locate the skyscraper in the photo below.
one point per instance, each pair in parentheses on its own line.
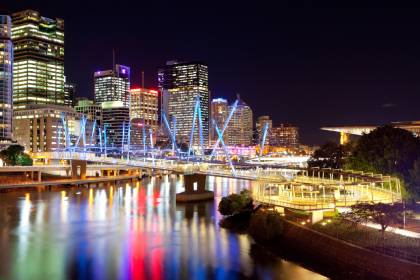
(113,85)
(219,113)
(115,121)
(180,84)
(144,106)
(261,122)
(240,128)
(6,66)
(69,94)
(38,71)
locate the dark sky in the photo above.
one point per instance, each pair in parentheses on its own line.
(308,64)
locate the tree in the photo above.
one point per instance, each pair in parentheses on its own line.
(380,213)
(388,150)
(15,155)
(329,155)
(357,215)
(235,203)
(414,179)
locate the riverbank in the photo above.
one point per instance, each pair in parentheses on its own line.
(329,254)
(341,253)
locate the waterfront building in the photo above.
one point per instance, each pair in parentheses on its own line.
(38,70)
(89,109)
(180,84)
(144,106)
(39,128)
(113,85)
(284,135)
(347,130)
(261,122)
(219,113)
(6,66)
(240,128)
(115,122)
(69,94)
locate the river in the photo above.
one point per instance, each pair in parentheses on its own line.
(129,231)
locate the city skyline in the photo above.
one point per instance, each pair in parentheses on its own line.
(361,69)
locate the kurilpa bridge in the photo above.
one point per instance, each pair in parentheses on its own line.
(306,189)
(309,189)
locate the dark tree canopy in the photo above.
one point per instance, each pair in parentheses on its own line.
(380,213)
(235,203)
(15,155)
(388,150)
(329,155)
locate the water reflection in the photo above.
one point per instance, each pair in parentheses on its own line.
(127,231)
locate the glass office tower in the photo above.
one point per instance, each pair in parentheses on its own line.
(38,73)
(6,67)
(113,85)
(180,84)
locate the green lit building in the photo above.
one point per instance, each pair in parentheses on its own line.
(38,73)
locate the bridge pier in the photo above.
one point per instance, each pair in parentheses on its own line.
(75,165)
(195,189)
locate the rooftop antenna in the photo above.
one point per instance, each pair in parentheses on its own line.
(142,79)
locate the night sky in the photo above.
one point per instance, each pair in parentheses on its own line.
(307,64)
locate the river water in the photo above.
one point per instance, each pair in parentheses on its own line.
(129,231)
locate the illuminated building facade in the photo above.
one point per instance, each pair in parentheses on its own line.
(261,122)
(39,128)
(144,106)
(347,130)
(69,94)
(89,109)
(240,128)
(115,116)
(284,135)
(180,84)
(113,85)
(6,66)
(219,113)
(38,70)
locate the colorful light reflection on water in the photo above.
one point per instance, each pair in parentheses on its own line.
(127,231)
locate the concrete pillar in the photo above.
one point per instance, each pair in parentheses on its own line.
(75,165)
(195,183)
(317,216)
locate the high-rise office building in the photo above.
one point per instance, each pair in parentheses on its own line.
(144,106)
(285,135)
(69,94)
(240,128)
(38,71)
(261,122)
(180,84)
(6,66)
(113,85)
(115,121)
(219,113)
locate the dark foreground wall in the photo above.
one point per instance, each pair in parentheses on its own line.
(341,253)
